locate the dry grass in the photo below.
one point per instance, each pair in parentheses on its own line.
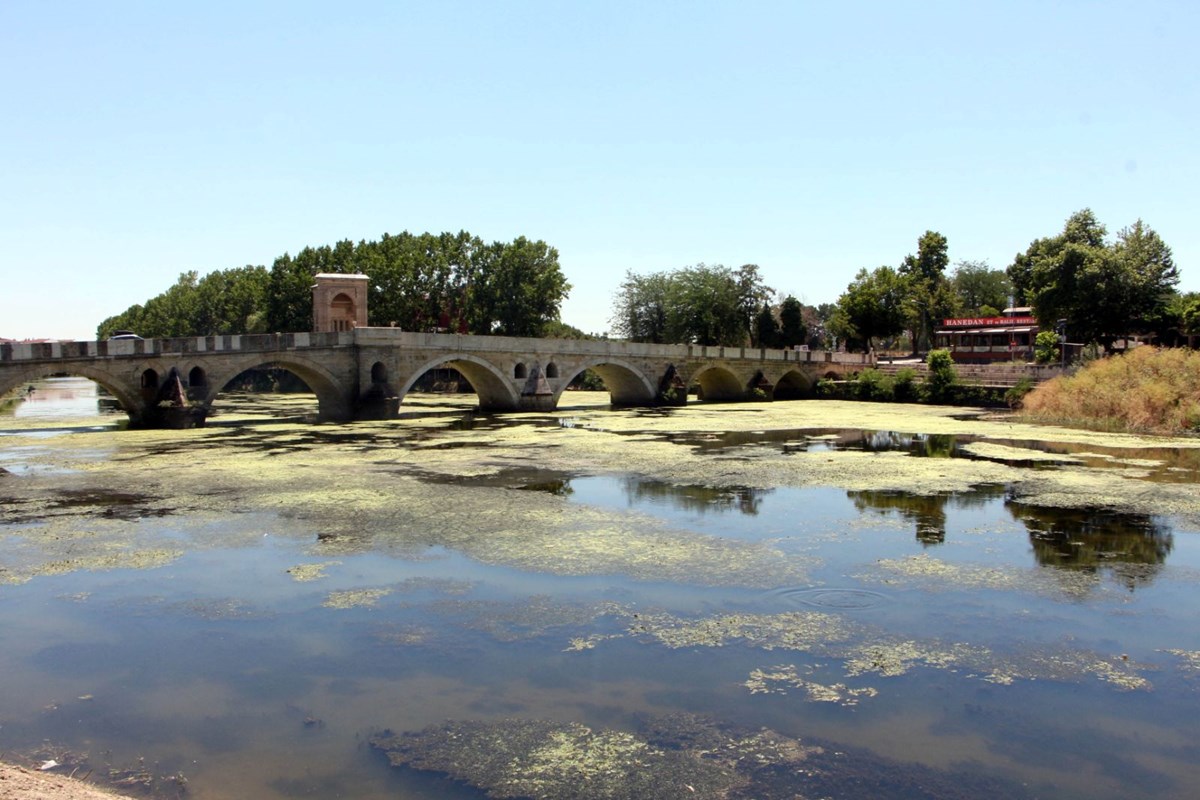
(1147,390)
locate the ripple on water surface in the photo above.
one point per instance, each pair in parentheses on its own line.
(837,598)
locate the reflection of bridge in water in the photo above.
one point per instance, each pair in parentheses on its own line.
(366,372)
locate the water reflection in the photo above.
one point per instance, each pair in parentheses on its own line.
(1161,464)
(821,439)
(1131,547)
(926,445)
(698,499)
(228,666)
(66,396)
(926,512)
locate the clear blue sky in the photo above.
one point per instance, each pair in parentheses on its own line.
(143,139)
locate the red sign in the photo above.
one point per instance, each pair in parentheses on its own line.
(988,322)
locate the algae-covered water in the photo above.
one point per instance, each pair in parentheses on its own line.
(797,599)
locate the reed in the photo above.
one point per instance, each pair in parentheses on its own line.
(1148,390)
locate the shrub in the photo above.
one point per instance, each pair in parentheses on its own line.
(1089,353)
(1016,393)
(871,384)
(904,386)
(1045,347)
(941,377)
(827,388)
(1148,389)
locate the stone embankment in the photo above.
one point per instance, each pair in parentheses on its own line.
(996,375)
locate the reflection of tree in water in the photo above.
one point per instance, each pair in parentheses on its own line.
(1133,547)
(697,498)
(926,511)
(919,444)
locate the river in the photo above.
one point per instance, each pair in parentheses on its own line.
(800,599)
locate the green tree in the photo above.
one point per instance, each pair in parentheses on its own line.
(1082,228)
(1045,347)
(289,305)
(820,331)
(231,301)
(640,309)
(420,282)
(709,305)
(1102,290)
(792,330)
(981,290)
(1189,315)
(171,313)
(928,296)
(706,307)
(941,376)
(751,293)
(873,305)
(766,328)
(517,288)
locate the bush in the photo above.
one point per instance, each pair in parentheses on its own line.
(1148,389)
(904,385)
(827,388)
(1016,393)
(871,384)
(941,377)
(1045,347)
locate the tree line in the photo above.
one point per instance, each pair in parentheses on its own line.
(707,305)
(1097,289)
(716,305)
(1100,290)
(450,281)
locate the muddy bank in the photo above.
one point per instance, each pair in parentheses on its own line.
(18,783)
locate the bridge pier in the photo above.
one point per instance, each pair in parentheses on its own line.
(537,394)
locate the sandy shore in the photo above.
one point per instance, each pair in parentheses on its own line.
(18,783)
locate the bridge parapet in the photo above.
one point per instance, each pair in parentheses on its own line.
(394,337)
(118,348)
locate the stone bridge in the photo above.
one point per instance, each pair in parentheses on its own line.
(366,372)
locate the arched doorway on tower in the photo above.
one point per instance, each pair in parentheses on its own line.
(339,302)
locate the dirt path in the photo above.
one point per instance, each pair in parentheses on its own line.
(18,783)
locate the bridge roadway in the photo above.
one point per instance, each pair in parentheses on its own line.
(366,372)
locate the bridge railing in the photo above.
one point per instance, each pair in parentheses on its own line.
(394,337)
(116,348)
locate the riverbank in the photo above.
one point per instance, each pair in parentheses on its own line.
(18,783)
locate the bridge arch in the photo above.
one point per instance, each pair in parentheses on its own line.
(494,388)
(332,401)
(627,385)
(127,392)
(718,384)
(379,373)
(793,385)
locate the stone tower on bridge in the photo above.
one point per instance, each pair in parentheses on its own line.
(339,302)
